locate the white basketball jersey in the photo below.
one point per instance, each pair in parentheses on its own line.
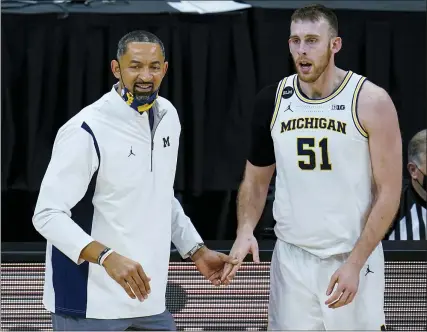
(324,178)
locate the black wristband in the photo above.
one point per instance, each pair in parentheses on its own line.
(103,252)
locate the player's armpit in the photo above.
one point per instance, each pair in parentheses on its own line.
(378,117)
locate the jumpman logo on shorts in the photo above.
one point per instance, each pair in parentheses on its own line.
(368,270)
(131,153)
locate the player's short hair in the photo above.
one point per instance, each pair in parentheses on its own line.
(417,148)
(316,12)
(138,36)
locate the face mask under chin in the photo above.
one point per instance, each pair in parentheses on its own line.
(138,104)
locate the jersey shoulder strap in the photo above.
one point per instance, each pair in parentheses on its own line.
(278,100)
(358,83)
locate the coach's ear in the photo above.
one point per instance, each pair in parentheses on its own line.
(165,68)
(115,68)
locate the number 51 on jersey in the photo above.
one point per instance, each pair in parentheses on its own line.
(316,151)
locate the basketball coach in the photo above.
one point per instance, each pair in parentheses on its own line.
(107,208)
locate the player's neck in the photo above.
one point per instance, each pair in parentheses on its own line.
(325,85)
(419,190)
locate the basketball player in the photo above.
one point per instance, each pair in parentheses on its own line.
(333,138)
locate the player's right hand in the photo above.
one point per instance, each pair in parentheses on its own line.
(128,274)
(245,243)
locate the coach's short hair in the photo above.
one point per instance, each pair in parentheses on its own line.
(417,148)
(138,36)
(316,12)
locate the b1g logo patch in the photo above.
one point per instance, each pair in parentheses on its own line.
(338,107)
(288,92)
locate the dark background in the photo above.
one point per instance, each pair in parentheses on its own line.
(52,67)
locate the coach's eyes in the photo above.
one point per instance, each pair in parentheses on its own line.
(311,40)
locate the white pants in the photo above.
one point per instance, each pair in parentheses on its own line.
(298,284)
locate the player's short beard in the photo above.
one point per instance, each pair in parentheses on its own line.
(317,68)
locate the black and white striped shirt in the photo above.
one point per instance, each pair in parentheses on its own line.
(410,222)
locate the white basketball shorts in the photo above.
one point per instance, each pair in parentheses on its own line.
(298,284)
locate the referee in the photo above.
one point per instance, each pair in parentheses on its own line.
(107,208)
(410,222)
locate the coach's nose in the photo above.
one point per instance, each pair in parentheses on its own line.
(145,74)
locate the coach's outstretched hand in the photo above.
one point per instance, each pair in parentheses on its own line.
(245,243)
(211,264)
(129,274)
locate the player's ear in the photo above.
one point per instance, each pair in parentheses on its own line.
(115,69)
(336,44)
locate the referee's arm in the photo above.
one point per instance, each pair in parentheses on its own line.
(72,165)
(184,234)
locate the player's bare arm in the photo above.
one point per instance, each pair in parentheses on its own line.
(252,196)
(378,117)
(250,204)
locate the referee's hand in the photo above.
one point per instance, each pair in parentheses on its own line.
(129,274)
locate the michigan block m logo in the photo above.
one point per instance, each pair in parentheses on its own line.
(166,142)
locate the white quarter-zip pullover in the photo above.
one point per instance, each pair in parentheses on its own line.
(110,179)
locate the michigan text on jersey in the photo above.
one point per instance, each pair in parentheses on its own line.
(314,123)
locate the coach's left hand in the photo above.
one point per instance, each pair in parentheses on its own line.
(347,280)
(211,264)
